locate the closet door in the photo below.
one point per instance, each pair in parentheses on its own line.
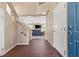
(59,27)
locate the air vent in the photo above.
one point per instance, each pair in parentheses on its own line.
(40,3)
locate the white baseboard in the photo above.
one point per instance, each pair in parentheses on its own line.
(22,43)
(54,46)
(50,43)
(38,37)
(8,50)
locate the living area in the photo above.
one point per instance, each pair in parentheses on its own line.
(37,26)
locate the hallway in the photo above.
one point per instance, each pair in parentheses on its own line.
(36,48)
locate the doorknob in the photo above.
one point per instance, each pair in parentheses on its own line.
(54,31)
(70,43)
(64,28)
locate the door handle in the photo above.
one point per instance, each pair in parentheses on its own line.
(70,27)
(69,32)
(70,43)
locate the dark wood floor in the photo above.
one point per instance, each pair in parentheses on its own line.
(37,48)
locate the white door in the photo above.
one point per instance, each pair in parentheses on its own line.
(1,30)
(59,29)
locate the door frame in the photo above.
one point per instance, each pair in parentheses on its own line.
(3,17)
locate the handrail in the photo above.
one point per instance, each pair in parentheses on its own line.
(14,12)
(12,9)
(23,25)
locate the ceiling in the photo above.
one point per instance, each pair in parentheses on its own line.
(31,8)
(24,8)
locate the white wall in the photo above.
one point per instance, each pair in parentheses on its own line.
(32,20)
(9,31)
(49,23)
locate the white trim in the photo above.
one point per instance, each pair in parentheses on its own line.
(38,37)
(22,43)
(50,43)
(8,50)
(53,46)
